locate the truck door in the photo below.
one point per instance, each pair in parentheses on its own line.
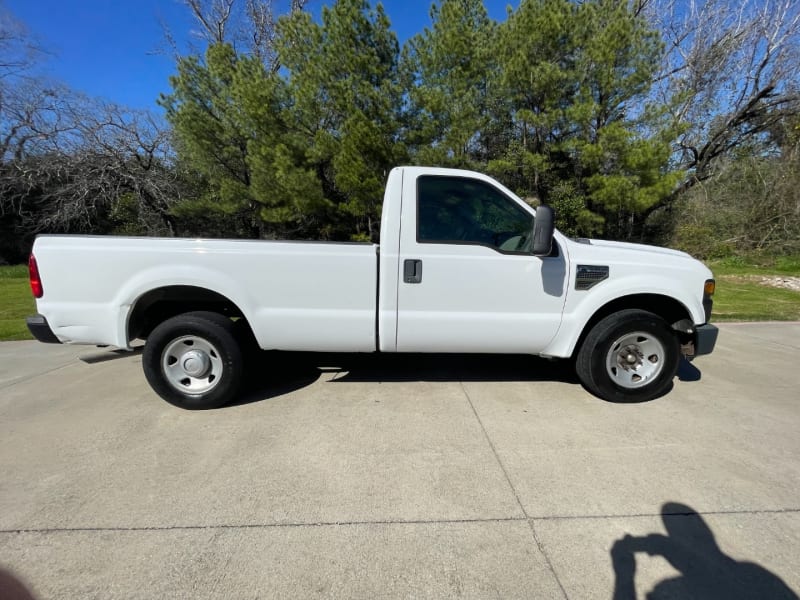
(467,279)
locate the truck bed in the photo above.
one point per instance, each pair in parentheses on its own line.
(295,295)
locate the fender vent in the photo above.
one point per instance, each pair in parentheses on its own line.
(588,276)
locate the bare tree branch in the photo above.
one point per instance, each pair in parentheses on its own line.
(213,17)
(18,49)
(729,73)
(250,26)
(66,160)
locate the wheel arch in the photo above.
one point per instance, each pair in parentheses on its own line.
(674,312)
(159,304)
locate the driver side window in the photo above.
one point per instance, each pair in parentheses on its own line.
(459,210)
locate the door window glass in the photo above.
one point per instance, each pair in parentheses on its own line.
(459,210)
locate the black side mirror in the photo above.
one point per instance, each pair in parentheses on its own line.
(543,231)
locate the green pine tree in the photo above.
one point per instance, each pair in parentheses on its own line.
(577,76)
(345,106)
(451,71)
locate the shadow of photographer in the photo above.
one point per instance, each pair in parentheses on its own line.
(705,571)
(12,588)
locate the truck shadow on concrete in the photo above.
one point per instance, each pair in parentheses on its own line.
(454,367)
(705,571)
(272,374)
(269,374)
(103,355)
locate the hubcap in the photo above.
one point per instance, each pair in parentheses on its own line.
(191,365)
(196,363)
(635,359)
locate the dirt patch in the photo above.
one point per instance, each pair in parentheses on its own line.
(786,282)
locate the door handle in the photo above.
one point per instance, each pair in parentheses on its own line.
(412,270)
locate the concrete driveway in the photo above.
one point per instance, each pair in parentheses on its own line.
(395,477)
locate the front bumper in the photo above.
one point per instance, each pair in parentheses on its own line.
(40,329)
(705,338)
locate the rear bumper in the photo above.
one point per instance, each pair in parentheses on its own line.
(40,329)
(705,338)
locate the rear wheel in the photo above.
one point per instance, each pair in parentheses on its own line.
(193,360)
(629,356)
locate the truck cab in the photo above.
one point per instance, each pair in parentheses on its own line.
(456,250)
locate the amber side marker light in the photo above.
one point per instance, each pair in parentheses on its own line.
(709,287)
(36,281)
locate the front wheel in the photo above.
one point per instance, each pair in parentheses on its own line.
(629,356)
(194,361)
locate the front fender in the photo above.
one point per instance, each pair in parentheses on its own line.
(581,306)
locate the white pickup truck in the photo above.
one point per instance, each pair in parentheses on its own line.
(464,266)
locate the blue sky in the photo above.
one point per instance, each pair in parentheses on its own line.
(115,49)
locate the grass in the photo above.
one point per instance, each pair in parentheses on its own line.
(16,303)
(739,297)
(756,265)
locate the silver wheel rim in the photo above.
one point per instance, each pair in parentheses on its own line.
(192,365)
(635,359)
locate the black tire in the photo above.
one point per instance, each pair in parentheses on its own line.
(629,356)
(194,361)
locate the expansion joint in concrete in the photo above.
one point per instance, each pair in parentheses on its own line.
(536,540)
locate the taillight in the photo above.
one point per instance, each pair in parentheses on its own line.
(36,281)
